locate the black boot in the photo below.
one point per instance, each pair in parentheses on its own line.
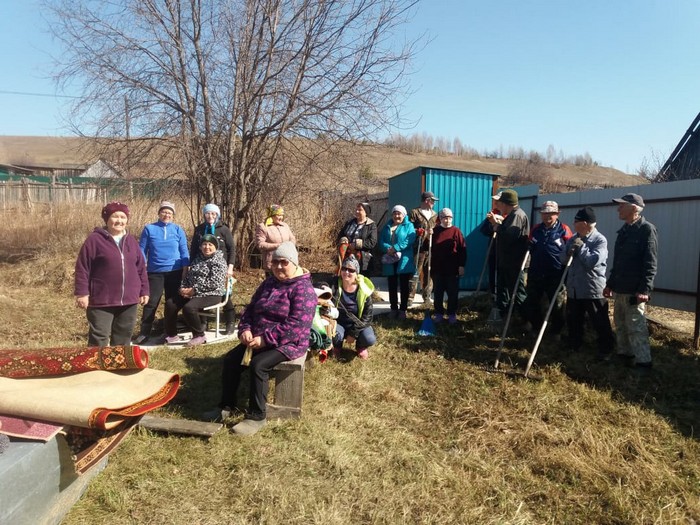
(229,317)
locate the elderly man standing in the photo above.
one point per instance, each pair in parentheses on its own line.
(424,219)
(547,240)
(585,283)
(632,280)
(512,228)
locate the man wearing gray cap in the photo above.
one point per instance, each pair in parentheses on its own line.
(632,280)
(424,219)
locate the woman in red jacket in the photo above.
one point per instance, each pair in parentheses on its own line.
(449,256)
(111,279)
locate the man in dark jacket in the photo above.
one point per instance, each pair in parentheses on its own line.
(512,228)
(632,280)
(547,240)
(424,219)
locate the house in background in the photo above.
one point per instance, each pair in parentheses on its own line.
(684,161)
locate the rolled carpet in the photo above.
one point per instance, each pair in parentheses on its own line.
(18,363)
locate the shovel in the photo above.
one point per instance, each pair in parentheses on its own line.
(510,308)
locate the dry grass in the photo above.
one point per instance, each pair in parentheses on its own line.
(420,433)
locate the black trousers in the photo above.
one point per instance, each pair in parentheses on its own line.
(597,310)
(190,311)
(395,281)
(261,365)
(158,283)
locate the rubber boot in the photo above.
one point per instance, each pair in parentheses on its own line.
(229,317)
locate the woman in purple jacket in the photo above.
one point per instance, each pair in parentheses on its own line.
(276,327)
(111,279)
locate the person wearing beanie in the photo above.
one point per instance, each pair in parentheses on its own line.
(213,225)
(202,286)
(111,279)
(164,246)
(585,282)
(547,240)
(631,280)
(424,219)
(353,299)
(512,228)
(271,233)
(448,259)
(274,327)
(398,264)
(358,236)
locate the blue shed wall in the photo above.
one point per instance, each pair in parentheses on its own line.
(467,194)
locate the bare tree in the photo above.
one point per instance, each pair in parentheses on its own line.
(229,87)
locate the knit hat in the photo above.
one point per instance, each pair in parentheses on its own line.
(549,207)
(351,262)
(509,197)
(212,207)
(288,251)
(166,204)
(631,198)
(400,208)
(366,206)
(209,238)
(275,209)
(446,212)
(112,207)
(586,214)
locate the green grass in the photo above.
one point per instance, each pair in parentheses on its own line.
(423,432)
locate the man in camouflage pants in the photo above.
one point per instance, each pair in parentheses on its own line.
(424,219)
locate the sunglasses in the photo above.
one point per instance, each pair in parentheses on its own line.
(349,270)
(280,262)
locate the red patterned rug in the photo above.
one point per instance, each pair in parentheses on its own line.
(60,361)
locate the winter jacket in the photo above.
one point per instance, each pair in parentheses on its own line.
(222,233)
(546,246)
(268,238)
(586,277)
(634,262)
(281,312)
(164,245)
(419,221)
(111,275)
(401,240)
(352,327)
(367,232)
(449,251)
(511,239)
(207,275)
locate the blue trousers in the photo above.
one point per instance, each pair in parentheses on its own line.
(365,338)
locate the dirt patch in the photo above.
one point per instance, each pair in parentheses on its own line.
(676,320)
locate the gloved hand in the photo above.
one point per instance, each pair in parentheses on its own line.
(575,246)
(344,240)
(420,232)
(358,244)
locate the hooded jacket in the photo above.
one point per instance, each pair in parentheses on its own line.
(402,241)
(365,289)
(111,274)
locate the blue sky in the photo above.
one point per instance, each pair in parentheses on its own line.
(617,80)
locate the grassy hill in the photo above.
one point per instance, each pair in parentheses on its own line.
(379,161)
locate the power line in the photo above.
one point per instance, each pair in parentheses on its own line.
(28,94)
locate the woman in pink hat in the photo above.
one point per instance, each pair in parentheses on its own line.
(111,279)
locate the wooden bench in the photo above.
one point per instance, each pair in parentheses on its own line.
(289,388)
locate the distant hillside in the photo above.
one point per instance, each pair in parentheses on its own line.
(378,161)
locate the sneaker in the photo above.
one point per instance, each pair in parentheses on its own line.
(140,339)
(362,353)
(401,315)
(248,427)
(172,339)
(198,340)
(438,318)
(452,319)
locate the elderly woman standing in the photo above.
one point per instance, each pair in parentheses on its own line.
(359,235)
(276,326)
(448,258)
(203,286)
(212,225)
(164,245)
(271,233)
(396,243)
(111,279)
(353,299)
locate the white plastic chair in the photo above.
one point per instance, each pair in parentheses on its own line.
(214,311)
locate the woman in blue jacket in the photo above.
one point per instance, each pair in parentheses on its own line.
(396,244)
